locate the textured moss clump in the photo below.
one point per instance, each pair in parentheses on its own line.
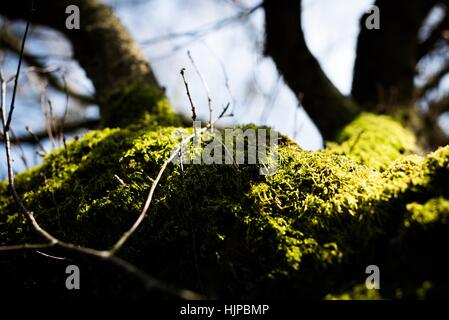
(359,292)
(375,140)
(308,230)
(138,103)
(434,211)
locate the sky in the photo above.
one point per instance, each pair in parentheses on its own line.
(331,28)
(232,54)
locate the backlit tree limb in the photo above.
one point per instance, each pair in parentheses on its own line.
(11,43)
(434,80)
(285,43)
(434,37)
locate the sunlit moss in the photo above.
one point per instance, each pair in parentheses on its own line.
(359,292)
(308,230)
(138,103)
(375,140)
(435,210)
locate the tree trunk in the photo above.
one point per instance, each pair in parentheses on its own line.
(285,43)
(385,65)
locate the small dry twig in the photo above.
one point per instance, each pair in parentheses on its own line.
(36,139)
(190,100)
(16,78)
(205,86)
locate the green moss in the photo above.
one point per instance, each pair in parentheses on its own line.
(433,211)
(359,292)
(308,230)
(375,140)
(138,103)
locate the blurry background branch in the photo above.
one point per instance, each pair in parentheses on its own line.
(11,42)
(68,127)
(438,35)
(103,47)
(206,29)
(434,80)
(285,43)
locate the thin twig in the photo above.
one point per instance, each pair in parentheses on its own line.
(200,32)
(44,101)
(150,283)
(120,180)
(13,99)
(270,103)
(36,139)
(224,111)
(205,86)
(357,138)
(51,256)
(66,109)
(26,246)
(181,156)
(188,94)
(143,214)
(51,123)
(21,151)
(225,75)
(190,99)
(154,185)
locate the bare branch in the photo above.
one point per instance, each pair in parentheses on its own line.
(436,36)
(225,76)
(190,100)
(16,79)
(150,283)
(285,43)
(26,246)
(10,42)
(204,30)
(154,185)
(188,94)
(51,256)
(119,244)
(35,137)
(106,51)
(205,86)
(436,108)
(21,151)
(433,81)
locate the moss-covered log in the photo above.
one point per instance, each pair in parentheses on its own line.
(309,230)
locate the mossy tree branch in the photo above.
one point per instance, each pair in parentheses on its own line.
(289,234)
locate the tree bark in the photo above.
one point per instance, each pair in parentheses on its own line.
(386,59)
